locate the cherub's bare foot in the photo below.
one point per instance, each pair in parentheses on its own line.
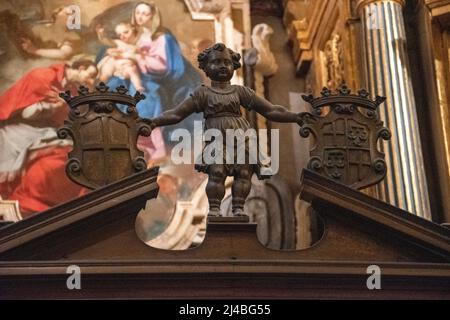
(238,212)
(214,213)
(140,89)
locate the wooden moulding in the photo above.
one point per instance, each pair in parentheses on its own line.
(360,231)
(100,207)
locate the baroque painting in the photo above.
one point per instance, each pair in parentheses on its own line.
(49,46)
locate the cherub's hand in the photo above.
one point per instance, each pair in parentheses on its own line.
(144,125)
(140,89)
(52,96)
(305,117)
(113,52)
(142,50)
(28,46)
(149,122)
(133,49)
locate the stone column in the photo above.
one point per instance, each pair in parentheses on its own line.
(388,74)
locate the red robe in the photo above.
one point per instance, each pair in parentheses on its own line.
(44,183)
(31,88)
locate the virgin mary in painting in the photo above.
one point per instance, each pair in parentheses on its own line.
(167,77)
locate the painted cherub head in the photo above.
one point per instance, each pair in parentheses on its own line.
(126,32)
(219,62)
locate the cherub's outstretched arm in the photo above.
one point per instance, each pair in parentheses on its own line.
(64,52)
(183,110)
(273,112)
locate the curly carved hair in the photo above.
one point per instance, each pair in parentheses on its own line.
(202,58)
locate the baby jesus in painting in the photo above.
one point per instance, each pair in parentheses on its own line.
(221,106)
(120,60)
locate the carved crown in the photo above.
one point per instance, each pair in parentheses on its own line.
(344,96)
(102,93)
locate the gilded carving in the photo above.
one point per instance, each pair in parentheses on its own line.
(333,61)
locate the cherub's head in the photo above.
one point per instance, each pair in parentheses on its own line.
(82,72)
(219,62)
(126,32)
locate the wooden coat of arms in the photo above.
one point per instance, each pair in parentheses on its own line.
(346,128)
(104,127)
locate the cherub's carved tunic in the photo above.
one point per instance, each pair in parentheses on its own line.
(222,111)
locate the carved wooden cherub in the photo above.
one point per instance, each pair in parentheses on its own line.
(220,104)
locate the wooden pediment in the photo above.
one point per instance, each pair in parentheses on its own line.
(99,237)
(50,235)
(379,230)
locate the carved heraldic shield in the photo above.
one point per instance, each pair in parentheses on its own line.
(346,129)
(105,138)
